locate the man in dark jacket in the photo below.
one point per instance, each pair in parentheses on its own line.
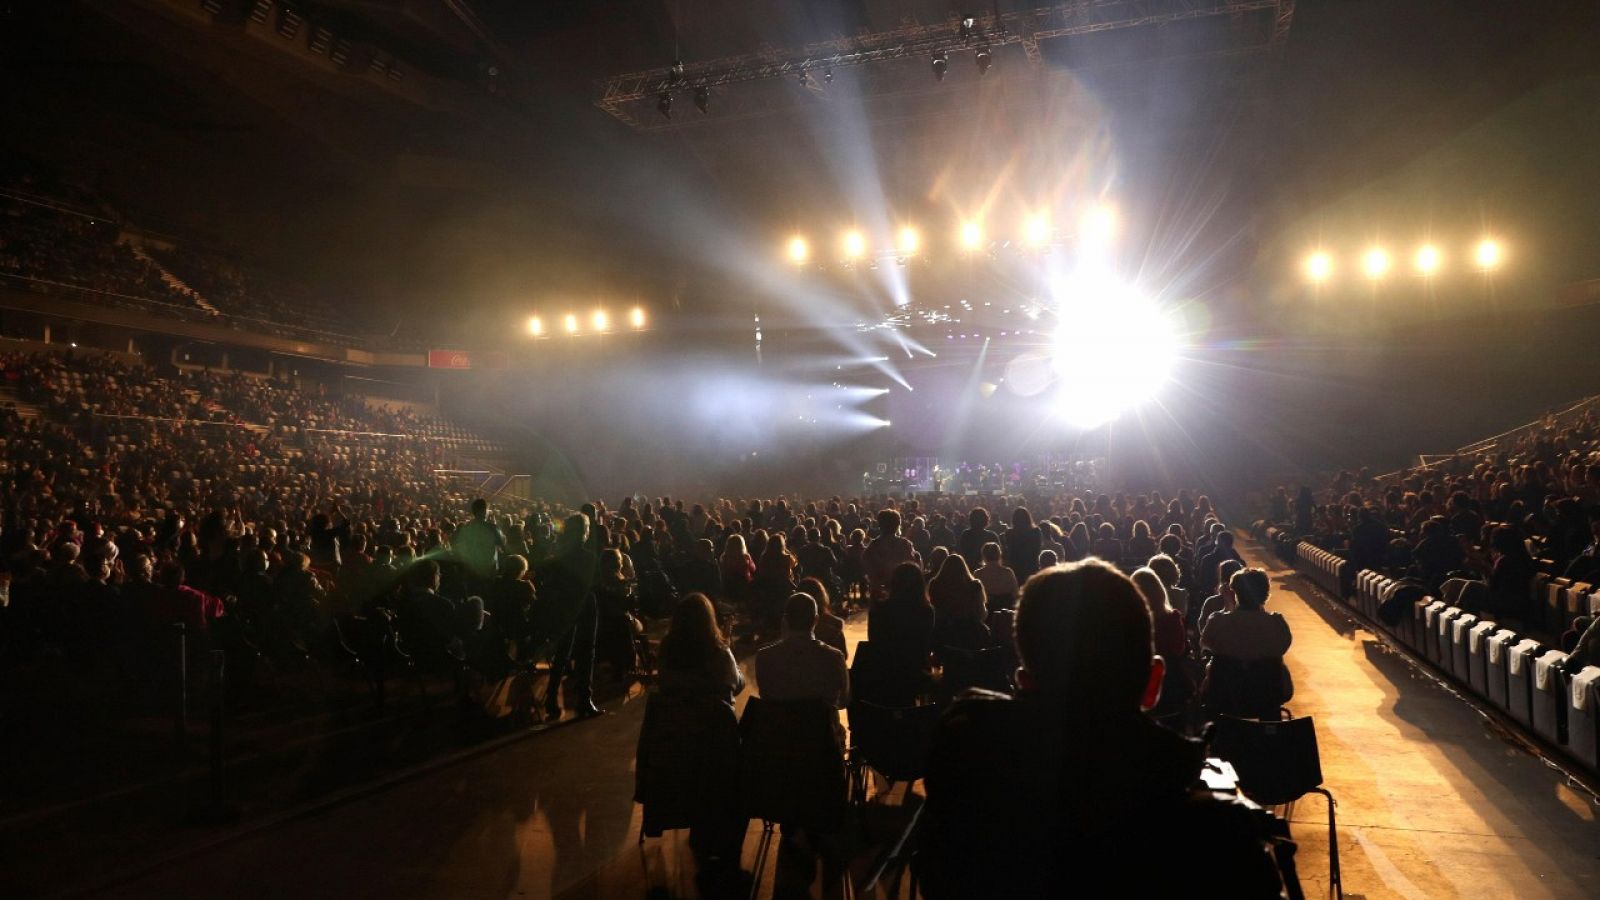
(566,586)
(1062,788)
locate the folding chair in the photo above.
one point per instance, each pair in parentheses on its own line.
(1278,763)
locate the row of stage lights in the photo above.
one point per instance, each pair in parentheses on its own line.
(1095,227)
(599,323)
(1377,263)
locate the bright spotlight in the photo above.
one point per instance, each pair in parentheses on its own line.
(1098,225)
(799,250)
(1488,254)
(1319,266)
(535,326)
(971,236)
(909,240)
(636,318)
(1427,260)
(600,320)
(572,324)
(1104,323)
(1036,230)
(1375,263)
(855,244)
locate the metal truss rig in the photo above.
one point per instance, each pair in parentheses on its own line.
(1024,27)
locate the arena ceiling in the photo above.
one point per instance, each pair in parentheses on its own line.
(480,173)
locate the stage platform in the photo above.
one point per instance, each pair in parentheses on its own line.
(1432,803)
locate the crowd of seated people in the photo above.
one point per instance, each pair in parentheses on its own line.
(1483,523)
(931,618)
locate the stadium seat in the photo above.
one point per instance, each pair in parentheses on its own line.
(1441,639)
(1478,658)
(1583,717)
(1428,639)
(1519,680)
(1549,699)
(1553,610)
(1497,662)
(1575,602)
(1460,634)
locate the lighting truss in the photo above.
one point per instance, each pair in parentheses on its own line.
(1024,27)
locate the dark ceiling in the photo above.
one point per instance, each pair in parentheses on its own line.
(486,177)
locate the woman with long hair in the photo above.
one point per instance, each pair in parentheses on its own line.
(1170,636)
(1141,545)
(900,632)
(738,569)
(694,655)
(1022,544)
(959,606)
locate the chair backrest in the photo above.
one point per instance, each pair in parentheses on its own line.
(791,767)
(688,749)
(876,677)
(1277,762)
(986,668)
(1247,688)
(894,740)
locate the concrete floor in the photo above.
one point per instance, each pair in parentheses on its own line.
(1431,804)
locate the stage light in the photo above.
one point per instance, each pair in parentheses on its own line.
(1488,254)
(968,26)
(1319,266)
(637,317)
(600,320)
(909,241)
(702,99)
(971,236)
(984,59)
(1427,260)
(941,65)
(1036,230)
(855,244)
(799,250)
(572,324)
(535,326)
(1375,263)
(664,104)
(1103,324)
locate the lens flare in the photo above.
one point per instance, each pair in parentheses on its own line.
(799,250)
(636,318)
(572,324)
(1114,350)
(536,326)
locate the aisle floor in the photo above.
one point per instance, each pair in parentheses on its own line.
(1432,803)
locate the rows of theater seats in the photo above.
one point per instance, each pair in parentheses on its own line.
(1516,672)
(59,241)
